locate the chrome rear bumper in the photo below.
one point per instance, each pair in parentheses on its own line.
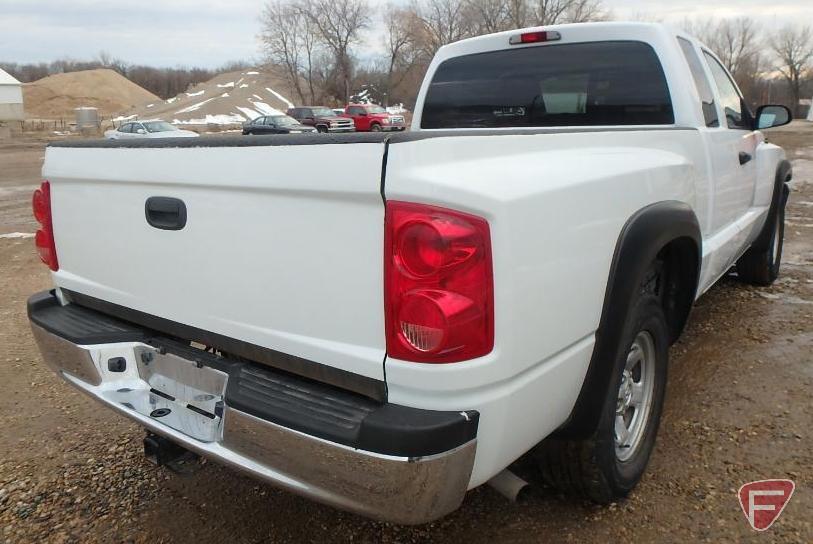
(406,490)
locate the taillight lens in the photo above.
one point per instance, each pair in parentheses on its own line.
(439,287)
(44,238)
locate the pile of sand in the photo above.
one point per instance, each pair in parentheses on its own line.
(56,96)
(227,99)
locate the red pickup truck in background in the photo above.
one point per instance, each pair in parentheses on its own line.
(372,117)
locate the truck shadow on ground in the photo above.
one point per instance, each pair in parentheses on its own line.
(723,332)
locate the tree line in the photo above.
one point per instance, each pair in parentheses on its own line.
(315,44)
(163,82)
(769,67)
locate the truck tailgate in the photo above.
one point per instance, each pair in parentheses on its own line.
(282,246)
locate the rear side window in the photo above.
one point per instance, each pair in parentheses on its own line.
(596,83)
(701,82)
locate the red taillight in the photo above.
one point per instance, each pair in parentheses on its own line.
(44,239)
(535,37)
(439,287)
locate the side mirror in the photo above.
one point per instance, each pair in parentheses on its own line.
(141,131)
(772,116)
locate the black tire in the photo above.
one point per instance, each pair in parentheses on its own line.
(760,264)
(591,468)
(375,127)
(321,129)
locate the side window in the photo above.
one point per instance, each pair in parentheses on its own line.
(735,113)
(355,110)
(126,127)
(305,112)
(259,121)
(297,113)
(701,82)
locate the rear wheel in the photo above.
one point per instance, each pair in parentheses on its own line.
(760,264)
(322,129)
(608,464)
(375,127)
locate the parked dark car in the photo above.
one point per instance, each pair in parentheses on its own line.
(275,124)
(322,119)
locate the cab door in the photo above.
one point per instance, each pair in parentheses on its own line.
(259,126)
(732,149)
(360,118)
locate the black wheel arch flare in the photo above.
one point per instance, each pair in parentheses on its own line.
(645,234)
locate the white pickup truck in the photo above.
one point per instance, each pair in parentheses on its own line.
(506,277)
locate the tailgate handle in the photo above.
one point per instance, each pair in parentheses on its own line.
(165,213)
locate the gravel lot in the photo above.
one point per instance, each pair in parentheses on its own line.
(739,408)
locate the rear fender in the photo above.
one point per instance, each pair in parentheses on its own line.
(643,236)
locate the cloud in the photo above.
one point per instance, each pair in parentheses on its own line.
(212,32)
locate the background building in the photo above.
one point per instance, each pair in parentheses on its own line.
(11,98)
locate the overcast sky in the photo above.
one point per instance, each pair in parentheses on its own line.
(210,33)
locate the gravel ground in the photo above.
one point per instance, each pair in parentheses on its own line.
(739,408)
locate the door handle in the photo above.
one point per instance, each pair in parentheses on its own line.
(745,157)
(165,213)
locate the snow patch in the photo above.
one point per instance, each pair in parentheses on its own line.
(265,109)
(228,85)
(194,107)
(251,73)
(244,85)
(224,95)
(127,118)
(248,112)
(196,94)
(150,105)
(397,109)
(17,235)
(220,119)
(279,96)
(171,100)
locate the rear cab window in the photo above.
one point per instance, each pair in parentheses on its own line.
(580,84)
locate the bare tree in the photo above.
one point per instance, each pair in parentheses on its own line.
(339,24)
(793,47)
(290,44)
(490,15)
(735,41)
(403,45)
(551,12)
(444,21)
(517,13)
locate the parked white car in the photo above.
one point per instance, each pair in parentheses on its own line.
(505,278)
(148,129)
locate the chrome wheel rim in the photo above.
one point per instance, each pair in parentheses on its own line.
(635,395)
